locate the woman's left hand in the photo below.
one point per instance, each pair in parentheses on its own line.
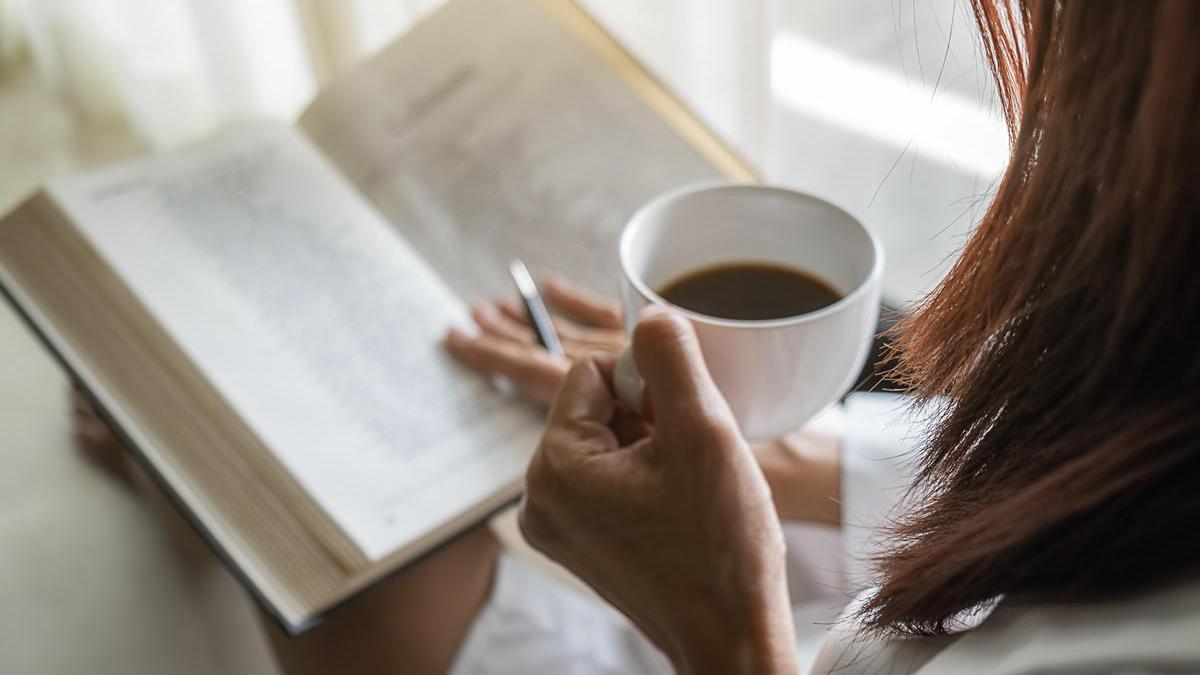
(802,467)
(506,345)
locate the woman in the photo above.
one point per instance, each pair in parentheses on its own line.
(1054,525)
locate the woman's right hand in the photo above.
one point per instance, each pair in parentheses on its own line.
(671,520)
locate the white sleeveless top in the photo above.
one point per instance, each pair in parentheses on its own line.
(1152,632)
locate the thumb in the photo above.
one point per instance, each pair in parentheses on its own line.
(679,387)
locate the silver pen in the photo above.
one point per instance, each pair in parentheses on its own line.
(539,317)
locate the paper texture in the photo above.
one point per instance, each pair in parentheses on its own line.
(319,325)
(491,132)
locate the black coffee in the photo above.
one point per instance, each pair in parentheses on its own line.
(749,292)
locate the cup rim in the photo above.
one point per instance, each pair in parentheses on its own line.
(707,186)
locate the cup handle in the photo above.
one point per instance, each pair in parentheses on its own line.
(628,381)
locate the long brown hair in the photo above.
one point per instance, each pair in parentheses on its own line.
(1065,342)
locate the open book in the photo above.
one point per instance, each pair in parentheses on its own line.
(260,315)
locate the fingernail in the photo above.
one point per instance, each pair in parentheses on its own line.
(455,336)
(485,310)
(653,310)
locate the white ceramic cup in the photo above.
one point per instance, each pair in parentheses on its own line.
(776,374)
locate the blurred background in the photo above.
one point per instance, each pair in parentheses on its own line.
(884,107)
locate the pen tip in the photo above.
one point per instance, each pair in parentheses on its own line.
(520,275)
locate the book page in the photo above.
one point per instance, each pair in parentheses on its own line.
(489,132)
(317,323)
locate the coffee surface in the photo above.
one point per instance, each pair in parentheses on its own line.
(749,292)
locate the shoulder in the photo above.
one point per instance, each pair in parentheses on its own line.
(1154,631)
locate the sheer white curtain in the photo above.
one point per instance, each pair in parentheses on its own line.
(882,106)
(177,70)
(886,108)
(174,70)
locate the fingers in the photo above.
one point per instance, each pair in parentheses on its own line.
(80,405)
(513,309)
(586,403)
(497,323)
(91,430)
(532,369)
(581,449)
(585,396)
(88,425)
(678,385)
(576,432)
(629,428)
(581,305)
(577,340)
